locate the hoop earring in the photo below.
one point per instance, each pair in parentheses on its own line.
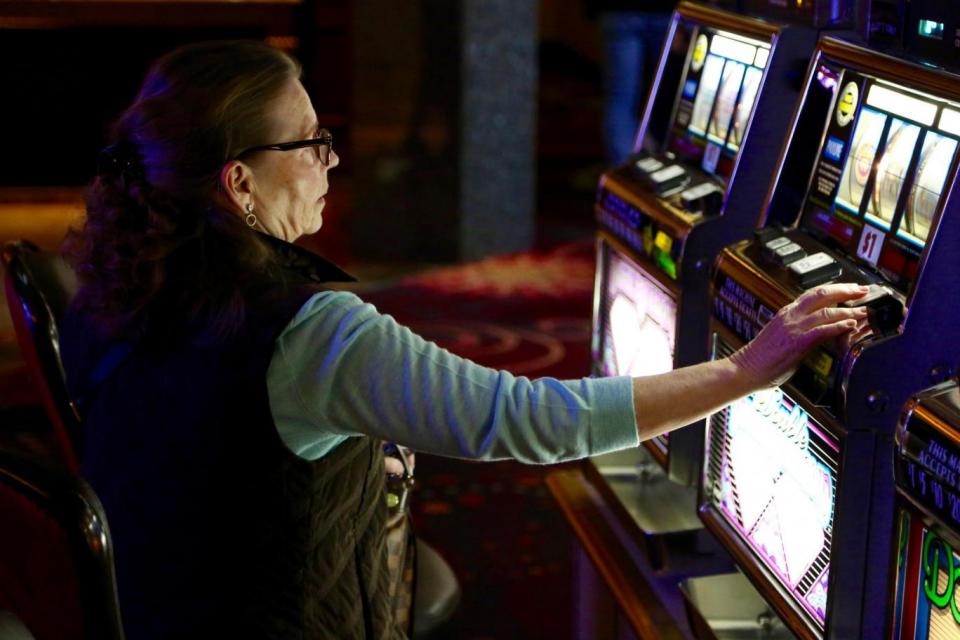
(250,218)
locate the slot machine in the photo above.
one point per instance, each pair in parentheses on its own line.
(797,481)
(709,138)
(926,562)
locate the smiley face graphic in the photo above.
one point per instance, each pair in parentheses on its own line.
(847,104)
(699,52)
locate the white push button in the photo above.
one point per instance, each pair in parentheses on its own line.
(789,253)
(811,263)
(648,165)
(699,191)
(815,269)
(667,173)
(776,243)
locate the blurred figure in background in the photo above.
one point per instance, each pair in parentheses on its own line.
(633,35)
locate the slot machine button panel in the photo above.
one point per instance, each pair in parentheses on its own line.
(814,269)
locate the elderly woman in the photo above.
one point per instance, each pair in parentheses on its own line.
(235,406)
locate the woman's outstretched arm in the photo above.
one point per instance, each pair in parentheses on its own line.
(342,369)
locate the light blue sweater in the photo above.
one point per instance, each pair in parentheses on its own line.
(341,369)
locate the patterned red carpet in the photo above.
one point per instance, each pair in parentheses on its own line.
(495,523)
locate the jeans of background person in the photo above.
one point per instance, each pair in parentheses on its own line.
(632,42)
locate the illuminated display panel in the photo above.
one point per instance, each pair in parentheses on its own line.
(926,604)
(885,158)
(771,473)
(638,320)
(719,88)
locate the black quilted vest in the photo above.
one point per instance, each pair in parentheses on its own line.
(219,530)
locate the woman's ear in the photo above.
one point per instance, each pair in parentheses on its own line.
(236,185)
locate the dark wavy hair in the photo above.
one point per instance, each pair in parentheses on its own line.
(159,252)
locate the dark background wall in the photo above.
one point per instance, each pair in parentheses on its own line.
(435,105)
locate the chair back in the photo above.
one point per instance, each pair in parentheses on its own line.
(56,561)
(39,285)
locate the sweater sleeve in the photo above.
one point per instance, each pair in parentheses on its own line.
(341,369)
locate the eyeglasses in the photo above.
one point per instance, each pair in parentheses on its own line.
(323,144)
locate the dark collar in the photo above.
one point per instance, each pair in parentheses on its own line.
(304,262)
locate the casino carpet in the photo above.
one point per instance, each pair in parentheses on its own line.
(496,523)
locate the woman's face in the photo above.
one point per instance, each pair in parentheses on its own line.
(291,185)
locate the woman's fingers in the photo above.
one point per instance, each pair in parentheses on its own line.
(829,295)
(830,315)
(830,330)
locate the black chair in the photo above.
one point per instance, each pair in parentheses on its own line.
(56,563)
(437,594)
(39,286)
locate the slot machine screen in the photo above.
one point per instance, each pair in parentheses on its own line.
(883,164)
(771,473)
(719,88)
(926,604)
(638,320)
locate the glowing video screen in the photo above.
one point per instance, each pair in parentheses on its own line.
(639,320)
(886,155)
(771,473)
(720,85)
(926,602)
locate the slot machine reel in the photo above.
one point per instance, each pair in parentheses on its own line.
(892,169)
(931,173)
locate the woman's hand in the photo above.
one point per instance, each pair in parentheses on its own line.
(683,396)
(773,355)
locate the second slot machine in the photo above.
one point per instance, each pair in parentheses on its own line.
(798,480)
(926,564)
